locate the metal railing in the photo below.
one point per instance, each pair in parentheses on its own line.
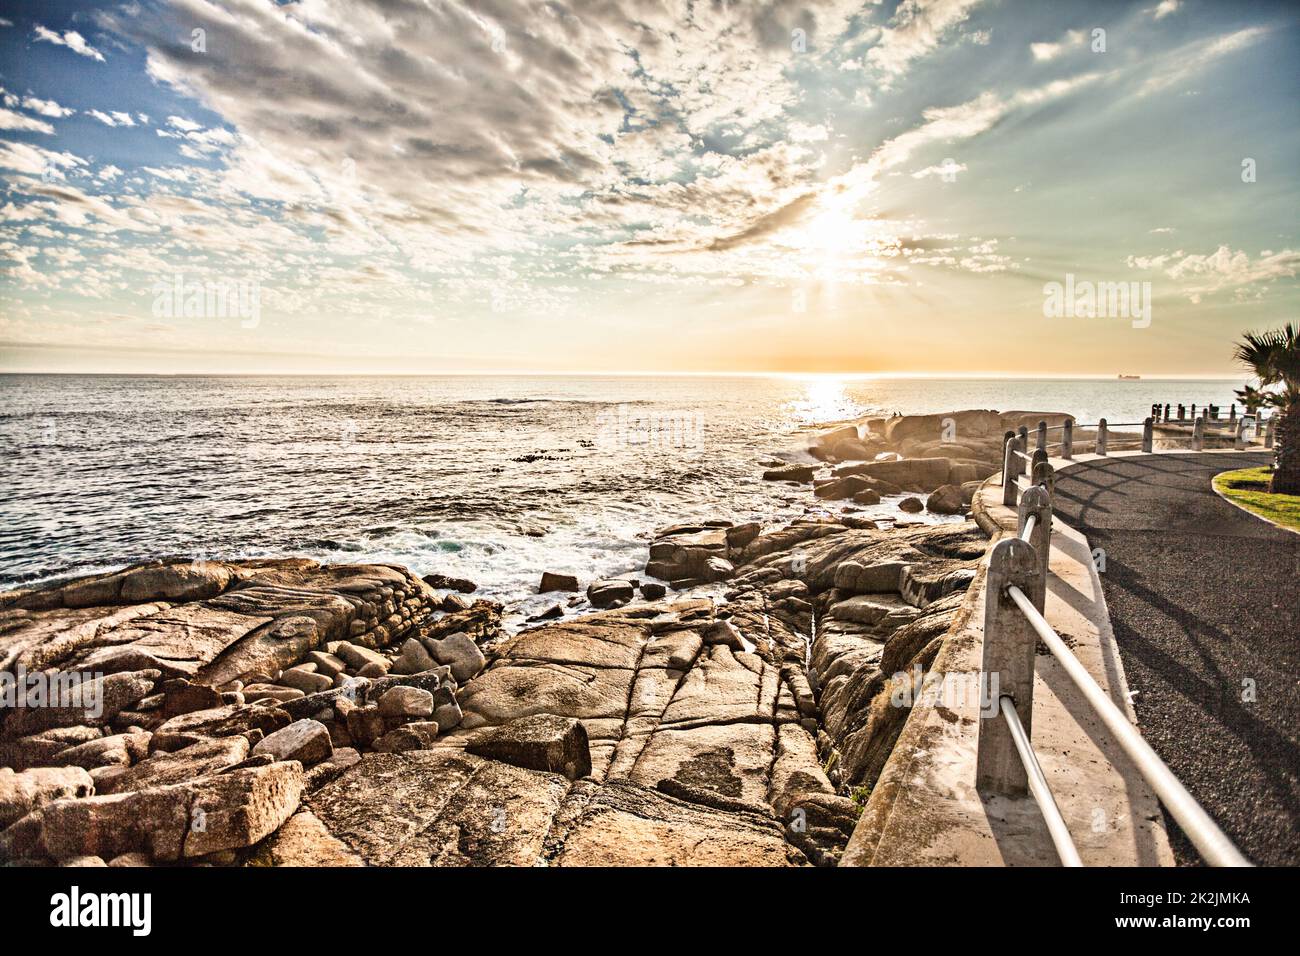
(1245,430)
(1013,624)
(1019,462)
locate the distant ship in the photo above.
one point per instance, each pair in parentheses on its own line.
(1130,378)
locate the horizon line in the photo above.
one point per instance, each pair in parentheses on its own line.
(658,373)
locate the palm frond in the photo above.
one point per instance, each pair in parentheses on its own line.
(1273,356)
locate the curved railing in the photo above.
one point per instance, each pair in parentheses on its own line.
(1013,624)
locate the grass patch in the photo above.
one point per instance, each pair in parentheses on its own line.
(1248,487)
(860,796)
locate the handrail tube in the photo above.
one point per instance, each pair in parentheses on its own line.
(1200,828)
(1038,787)
(1008,479)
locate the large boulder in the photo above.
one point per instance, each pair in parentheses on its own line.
(827,441)
(680,553)
(553,581)
(90,702)
(945,426)
(836,488)
(21,793)
(609,593)
(443,582)
(406,703)
(117,750)
(538,742)
(39,750)
(1015,420)
(851,449)
(177,582)
(799,473)
(307,741)
(197,760)
(910,474)
(459,652)
(184,820)
(946,500)
(224,721)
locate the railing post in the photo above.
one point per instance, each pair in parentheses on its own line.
(1166,418)
(1045,475)
(1198,434)
(1148,434)
(1037,501)
(1232,412)
(1042,436)
(1023,436)
(1039,457)
(1182,412)
(1009,466)
(1067,439)
(1009,647)
(1101,437)
(1239,438)
(1268,430)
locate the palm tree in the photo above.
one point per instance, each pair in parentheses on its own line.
(1274,357)
(1252,398)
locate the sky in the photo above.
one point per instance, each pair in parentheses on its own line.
(646,185)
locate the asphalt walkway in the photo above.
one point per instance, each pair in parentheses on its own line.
(1204,601)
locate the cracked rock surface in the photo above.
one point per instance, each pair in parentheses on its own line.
(404,728)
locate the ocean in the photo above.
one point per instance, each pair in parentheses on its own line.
(492,478)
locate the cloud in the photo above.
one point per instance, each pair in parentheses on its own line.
(949,168)
(17,121)
(440,137)
(1050,51)
(1164,8)
(29,160)
(916,28)
(46,107)
(73,40)
(111,119)
(1223,269)
(829,209)
(1182,63)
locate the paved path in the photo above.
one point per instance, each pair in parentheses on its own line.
(1204,599)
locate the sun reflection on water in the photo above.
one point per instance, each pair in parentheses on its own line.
(825,399)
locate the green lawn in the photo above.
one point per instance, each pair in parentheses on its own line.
(1248,487)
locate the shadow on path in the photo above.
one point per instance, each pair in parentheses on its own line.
(1205,604)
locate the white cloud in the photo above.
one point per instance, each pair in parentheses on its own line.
(917,28)
(1164,8)
(111,119)
(46,107)
(1050,51)
(17,121)
(1182,63)
(940,169)
(30,160)
(1223,269)
(73,40)
(802,133)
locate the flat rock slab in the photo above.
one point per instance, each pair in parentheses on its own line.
(622,824)
(440,808)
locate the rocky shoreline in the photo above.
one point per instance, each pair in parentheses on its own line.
(283,712)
